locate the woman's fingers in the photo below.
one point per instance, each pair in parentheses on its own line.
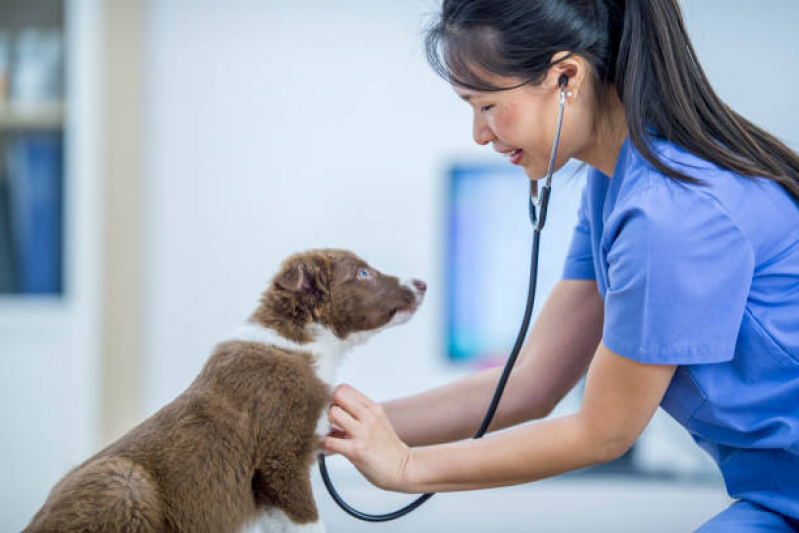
(337,432)
(352,401)
(342,419)
(343,416)
(331,445)
(355,393)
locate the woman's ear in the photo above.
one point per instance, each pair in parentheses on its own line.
(572,66)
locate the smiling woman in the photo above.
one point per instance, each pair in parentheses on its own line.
(680,280)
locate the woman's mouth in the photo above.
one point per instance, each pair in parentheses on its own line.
(516,156)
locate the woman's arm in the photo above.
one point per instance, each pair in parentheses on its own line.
(555,356)
(620,398)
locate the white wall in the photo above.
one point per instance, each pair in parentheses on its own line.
(749,53)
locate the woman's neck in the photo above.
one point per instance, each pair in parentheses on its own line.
(611,133)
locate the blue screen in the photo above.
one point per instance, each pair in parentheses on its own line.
(489,236)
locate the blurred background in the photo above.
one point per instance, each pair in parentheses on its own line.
(159,159)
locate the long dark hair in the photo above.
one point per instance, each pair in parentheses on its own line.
(640,47)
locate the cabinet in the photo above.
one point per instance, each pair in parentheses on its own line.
(32,186)
(49,341)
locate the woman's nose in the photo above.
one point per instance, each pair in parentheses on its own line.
(481,131)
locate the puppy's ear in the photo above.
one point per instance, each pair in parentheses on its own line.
(306,280)
(299,278)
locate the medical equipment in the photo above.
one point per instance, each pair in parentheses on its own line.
(536,201)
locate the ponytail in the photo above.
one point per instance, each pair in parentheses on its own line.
(662,86)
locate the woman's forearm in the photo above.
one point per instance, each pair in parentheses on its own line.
(456,410)
(524,454)
(621,395)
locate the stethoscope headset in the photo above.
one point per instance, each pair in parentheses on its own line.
(536,202)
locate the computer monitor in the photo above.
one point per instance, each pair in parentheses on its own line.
(487,262)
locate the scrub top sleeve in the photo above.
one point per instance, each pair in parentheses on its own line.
(579,262)
(679,273)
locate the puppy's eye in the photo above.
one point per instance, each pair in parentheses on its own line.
(364,274)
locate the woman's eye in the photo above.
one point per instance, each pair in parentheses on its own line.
(486,108)
(364,274)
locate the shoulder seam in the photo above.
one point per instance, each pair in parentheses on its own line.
(724,211)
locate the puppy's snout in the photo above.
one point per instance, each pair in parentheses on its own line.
(414,289)
(418,288)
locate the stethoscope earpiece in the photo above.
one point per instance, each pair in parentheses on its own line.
(563,82)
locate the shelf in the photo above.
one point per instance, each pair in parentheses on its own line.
(44,116)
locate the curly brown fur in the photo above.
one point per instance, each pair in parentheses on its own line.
(238,439)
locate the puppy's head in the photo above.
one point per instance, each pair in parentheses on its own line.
(341,292)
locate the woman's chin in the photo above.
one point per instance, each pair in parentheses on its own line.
(535,174)
(538,173)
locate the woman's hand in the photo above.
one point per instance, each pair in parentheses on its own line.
(368,441)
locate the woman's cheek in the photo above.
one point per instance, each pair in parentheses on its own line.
(511,131)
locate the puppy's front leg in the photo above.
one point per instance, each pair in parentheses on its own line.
(289,501)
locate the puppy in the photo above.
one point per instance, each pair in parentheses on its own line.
(233,452)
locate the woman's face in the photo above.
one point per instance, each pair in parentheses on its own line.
(521,123)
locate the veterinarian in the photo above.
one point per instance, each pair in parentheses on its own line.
(681,286)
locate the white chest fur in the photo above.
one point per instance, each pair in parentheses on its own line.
(327,349)
(276,521)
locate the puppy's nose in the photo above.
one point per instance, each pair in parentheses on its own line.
(420,285)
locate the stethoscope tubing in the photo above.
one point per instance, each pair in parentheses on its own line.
(541,201)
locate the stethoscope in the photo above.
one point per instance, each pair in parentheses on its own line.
(536,202)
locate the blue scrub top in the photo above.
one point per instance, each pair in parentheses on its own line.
(706,278)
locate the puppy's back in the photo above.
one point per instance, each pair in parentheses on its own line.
(110,494)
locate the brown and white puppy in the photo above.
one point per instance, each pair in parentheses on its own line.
(233,452)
